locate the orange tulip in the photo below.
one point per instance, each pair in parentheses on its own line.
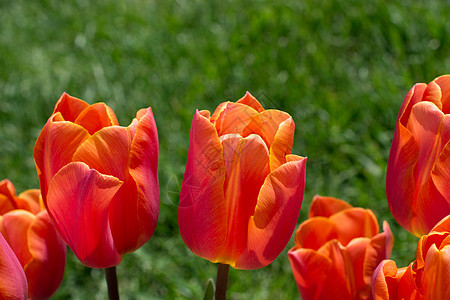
(337,249)
(428,277)
(418,175)
(242,189)
(99,180)
(13,283)
(27,228)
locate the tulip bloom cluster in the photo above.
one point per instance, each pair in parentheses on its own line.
(27,228)
(242,188)
(99,180)
(337,249)
(428,277)
(418,176)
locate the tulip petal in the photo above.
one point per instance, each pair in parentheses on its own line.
(426,124)
(379,248)
(316,276)
(282,143)
(108,152)
(433,94)
(267,123)
(443,225)
(78,202)
(400,174)
(30,200)
(7,196)
(95,117)
(143,167)
(49,258)
(15,231)
(69,107)
(54,149)
(440,175)
(251,101)
(432,206)
(326,206)
(414,96)
(313,233)
(247,165)
(385,280)
(356,250)
(444,83)
(13,284)
(202,192)
(234,118)
(436,275)
(276,214)
(355,222)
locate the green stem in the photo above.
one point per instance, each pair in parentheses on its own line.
(111,282)
(221,282)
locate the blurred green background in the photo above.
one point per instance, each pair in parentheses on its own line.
(340,68)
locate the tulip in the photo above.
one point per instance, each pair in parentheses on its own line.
(337,249)
(99,180)
(417,186)
(428,277)
(26,226)
(13,283)
(242,189)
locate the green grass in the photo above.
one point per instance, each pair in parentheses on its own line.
(340,68)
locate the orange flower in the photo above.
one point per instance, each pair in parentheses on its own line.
(13,283)
(337,249)
(27,228)
(417,183)
(99,181)
(242,189)
(428,277)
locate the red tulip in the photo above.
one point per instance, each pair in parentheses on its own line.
(27,228)
(417,183)
(242,189)
(428,277)
(13,284)
(337,249)
(99,180)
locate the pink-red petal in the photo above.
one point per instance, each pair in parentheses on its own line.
(30,200)
(234,118)
(326,206)
(7,196)
(46,269)
(355,222)
(316,276)
(202,192)
(15,228)
(95,117)
(69,107)
(13,283)
(251,101)
(78,202)
(54,148)
(315,232)
(247,165)
(436,275)
(282,143)
(143,168)
(276,214)
(444,83)
(400,177)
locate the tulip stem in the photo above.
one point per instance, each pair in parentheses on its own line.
(111,282)
(221,281)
